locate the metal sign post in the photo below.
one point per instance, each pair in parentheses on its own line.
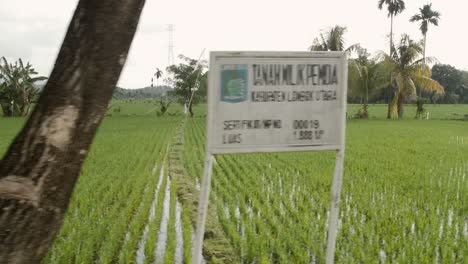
(275,102)
(202,209)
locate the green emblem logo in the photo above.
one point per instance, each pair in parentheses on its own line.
(234,83)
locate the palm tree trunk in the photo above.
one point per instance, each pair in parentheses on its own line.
(389,109)
(424,49)
(391,102)
(424,60)
(391,34)
(41,166)
(400,102)
(366,111)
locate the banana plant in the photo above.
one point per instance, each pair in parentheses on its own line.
(17,90)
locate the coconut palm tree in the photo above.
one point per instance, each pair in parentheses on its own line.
(426,16)
(365,78)
(333,40)
(394,8)
(158,74)
(408,71)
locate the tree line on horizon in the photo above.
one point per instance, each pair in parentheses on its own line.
(401,76)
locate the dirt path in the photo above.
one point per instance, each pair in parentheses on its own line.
(217,247)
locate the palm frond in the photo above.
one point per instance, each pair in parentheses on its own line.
(415,18)
(354,47)
(426,15)
(434,21)
(38,79)
(429,85)
(380,4)
(335,40)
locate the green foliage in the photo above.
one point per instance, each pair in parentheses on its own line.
(332,40)
(112,201)
(272,207)
(394,7)
(142,93)
(420,109)
(426,16)
(17,90)
(363,112)
(186,78)
(158,74)
(436,111)
(408,72)
(407,203)
(454,81)
(366,76)
(164,103)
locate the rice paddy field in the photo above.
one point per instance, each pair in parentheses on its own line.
(403,200)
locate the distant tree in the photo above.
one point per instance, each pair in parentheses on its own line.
(407,73)
(362,55)
(455,83)
(164,103)
(332,40)
(366,76)
(187,77)
(42,164)
(158,74)
(426,16)
(17,90)
(394,7)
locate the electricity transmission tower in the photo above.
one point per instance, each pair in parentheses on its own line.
(170,51)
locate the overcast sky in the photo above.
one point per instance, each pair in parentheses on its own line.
(34,30)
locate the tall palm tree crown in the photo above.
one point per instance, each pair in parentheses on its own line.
(394,8)
(158,73)
(332,40)
(426,15)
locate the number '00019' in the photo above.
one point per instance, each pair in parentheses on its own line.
(305,124)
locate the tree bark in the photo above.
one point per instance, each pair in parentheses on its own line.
(400,102)
(424,60)
(391,35)
(190,108)
(41,166)
(390,103)
(389,110)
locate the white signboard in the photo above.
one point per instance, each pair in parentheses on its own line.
(271,102)
(276,101)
